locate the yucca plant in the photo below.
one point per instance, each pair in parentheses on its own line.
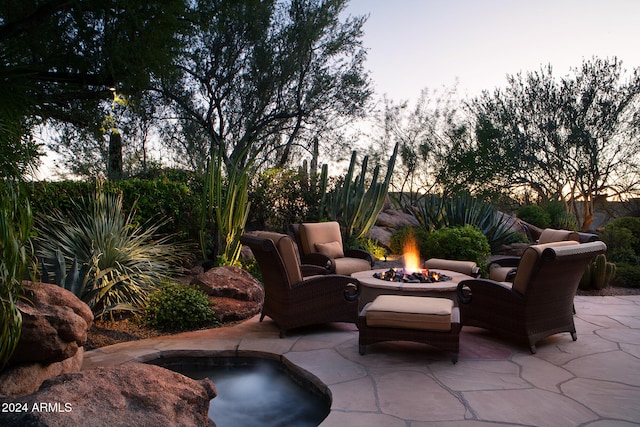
(123,261)
(16,257)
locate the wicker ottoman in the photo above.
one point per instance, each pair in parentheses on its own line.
(427,320)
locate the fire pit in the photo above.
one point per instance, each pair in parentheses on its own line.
(404,276)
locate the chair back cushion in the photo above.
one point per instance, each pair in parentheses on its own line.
(549,235)
(530,260)
(288,253)
(321,233)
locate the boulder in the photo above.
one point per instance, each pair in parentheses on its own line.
(54,324)
(393,219)
(237,294)
(26,378)
(131,394)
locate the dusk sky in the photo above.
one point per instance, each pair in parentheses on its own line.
(417,44)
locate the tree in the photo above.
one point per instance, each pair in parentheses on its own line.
(423,134)
(572,139)
(260,75)
(62,59)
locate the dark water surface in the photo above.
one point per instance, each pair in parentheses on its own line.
(255,392)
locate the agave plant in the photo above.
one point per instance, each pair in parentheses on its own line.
(121,262)
(16,223)
(437,212)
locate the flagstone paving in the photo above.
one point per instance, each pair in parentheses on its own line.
(592,382)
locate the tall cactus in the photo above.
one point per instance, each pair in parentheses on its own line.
(599,274)
(355,206)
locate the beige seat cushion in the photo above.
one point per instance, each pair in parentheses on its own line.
(549,235)
(288,253)
(348,266)
(408,312)
(530,259)
(465,267)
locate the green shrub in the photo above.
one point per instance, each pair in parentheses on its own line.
(623,233)
(251,266)
(176,307)
(400,236)
(123,262)
(621,240)
(535,215)
(627,275)
(459,243)
(370,246)
(435,212)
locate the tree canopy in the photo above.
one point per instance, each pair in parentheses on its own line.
(62,59)
(572,139)
(262,77)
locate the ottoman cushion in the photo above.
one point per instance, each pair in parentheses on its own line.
(408,312)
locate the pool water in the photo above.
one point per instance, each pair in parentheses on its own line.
(255,392)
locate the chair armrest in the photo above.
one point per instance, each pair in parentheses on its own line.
(489,289)
(322,260)
(313,270)
(330,284)
(360,253)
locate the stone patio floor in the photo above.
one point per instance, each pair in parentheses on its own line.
(594,381)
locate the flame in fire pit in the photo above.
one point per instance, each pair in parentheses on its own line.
(411,255)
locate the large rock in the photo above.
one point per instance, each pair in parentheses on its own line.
(237,294)
(54,324)
(26,378)
(132,394)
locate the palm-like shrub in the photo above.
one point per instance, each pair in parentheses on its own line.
(122,262)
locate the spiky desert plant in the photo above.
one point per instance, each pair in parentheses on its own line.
(436,212)
(226,203)
(356,203)
(16,223)
(123,261)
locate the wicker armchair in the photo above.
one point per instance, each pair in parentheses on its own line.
(320,243)
(540,301)
(292,300)
(504,269)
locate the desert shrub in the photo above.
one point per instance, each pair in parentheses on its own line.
(459,243)
(369,245)
(251,266)
(622,237)
(280,197)
(627,275)
(535,215)
(435,212)
(178,307)
(400,236)
(122,262)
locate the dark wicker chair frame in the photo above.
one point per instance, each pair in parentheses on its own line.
(512,262)
(314,300)
(316,258)
(544,308)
